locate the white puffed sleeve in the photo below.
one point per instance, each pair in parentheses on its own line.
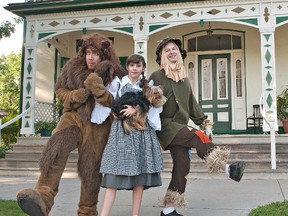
(154,117)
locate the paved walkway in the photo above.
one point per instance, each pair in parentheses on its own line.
(206,197)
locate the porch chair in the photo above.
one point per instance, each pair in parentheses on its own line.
(255,120)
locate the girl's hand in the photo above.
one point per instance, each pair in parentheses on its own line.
(129,111)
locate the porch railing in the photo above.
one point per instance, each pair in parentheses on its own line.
(18,117)
(43,112)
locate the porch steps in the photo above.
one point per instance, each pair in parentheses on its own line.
(253,149)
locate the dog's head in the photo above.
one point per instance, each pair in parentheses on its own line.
(155,96)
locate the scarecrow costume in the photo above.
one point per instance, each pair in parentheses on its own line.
(179,138)
(77,88)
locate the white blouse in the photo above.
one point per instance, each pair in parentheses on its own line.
(100,112)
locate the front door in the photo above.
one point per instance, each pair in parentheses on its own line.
(215,90)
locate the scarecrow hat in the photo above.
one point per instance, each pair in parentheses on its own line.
(165,41)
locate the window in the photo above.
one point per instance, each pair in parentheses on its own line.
(191,75)
(207,79)
(222,79)
(238,79)
(214,42)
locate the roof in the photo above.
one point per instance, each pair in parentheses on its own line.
(58,6)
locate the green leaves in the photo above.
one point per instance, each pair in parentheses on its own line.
(282,105)
(10,82)
(7,28)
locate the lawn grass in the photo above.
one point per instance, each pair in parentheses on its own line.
(275,209)
(10,208)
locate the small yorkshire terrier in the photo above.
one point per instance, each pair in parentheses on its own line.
(153,96)
(138,101)
(207,128)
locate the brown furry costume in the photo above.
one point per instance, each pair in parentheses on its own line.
(78,89)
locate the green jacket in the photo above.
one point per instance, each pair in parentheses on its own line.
(180,106)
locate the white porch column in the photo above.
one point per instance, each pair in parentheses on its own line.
(268,79)
(29,77)
(140,45)
(141,35)
(267,29)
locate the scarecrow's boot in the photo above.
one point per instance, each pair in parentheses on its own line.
(39,201)
(217,159)
(236,170)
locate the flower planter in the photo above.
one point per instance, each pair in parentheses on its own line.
(285,125)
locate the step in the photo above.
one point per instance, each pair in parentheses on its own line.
(250,164)
(28,147)
(248,139)
(235,154)
(194,174)
(253,149)
(197,164)
(33,155)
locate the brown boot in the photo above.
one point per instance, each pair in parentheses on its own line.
(38,202)
(31,203)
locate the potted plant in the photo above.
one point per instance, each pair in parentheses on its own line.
(282,108)
(45,128)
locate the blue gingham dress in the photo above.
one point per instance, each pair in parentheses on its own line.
(131,160)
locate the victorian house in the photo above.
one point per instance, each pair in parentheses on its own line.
(237,51)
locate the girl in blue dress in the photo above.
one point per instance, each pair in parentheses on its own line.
(131,161)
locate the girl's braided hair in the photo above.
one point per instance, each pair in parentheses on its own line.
(144,82)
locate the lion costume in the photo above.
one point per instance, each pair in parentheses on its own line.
(78,89)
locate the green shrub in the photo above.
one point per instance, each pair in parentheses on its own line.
(3,149)
(45,127)
(9,134)
(275,209)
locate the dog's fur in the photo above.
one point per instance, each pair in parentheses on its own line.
(137,100)
(153,96)
(207,128)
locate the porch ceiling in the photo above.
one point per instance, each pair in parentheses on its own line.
(58,6)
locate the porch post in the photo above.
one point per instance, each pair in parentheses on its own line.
(141,35)
(267,29)
(29,77)
(140,45)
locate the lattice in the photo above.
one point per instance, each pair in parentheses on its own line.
(46,112)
